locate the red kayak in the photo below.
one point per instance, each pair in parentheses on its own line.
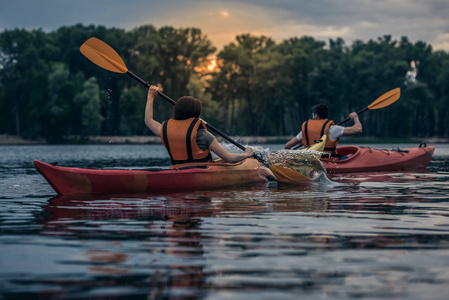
(364,159)
(193,176)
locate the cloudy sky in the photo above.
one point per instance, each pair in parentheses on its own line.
(425,20)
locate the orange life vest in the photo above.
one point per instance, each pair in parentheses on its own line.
(313,130)
(179,137)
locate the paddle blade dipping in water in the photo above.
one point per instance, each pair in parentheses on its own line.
(305,162)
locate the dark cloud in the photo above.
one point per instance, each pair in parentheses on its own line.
(323,19)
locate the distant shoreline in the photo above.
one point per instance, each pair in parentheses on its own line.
(15,140)
(246,140)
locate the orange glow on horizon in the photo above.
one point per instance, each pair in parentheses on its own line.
(207,66)
(212,65)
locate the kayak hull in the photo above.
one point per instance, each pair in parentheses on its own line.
(197,176)
(365,159)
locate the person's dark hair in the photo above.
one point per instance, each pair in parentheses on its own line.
(321,110)
(187,107)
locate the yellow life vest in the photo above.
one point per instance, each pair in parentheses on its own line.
(313,130)
(179,137)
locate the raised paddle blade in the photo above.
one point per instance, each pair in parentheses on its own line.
(386,99)
(289,176)
(103,55)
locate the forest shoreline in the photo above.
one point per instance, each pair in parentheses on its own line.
(246,140)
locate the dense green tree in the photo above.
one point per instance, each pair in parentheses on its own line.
(132,105)
(237,90)
(56,109)
(87,102)
(301,56)
(442,95)
(49,89)
(169,57)
(23,57)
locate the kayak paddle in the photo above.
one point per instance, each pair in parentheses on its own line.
(104,56)
(383,101)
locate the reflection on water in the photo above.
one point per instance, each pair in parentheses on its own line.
(371,235)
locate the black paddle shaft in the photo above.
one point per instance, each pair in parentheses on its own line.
(209,126)
(347,119)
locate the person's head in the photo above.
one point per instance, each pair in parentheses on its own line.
(321,110)
(187,107)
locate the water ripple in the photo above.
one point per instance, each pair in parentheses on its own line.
(372,236)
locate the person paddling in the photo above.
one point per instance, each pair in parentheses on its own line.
(185,135)
(320,125)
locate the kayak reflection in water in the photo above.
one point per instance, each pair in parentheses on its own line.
(185,135)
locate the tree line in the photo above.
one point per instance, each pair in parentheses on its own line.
(253,86)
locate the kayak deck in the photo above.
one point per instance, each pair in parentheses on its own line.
(197,176)
(366,159)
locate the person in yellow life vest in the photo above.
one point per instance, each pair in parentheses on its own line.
(320,125)
(185,135)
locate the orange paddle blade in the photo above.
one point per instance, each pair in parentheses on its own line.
(386,99)
(103,55)
(289,176)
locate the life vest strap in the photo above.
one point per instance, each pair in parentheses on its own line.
(188,140)
(306,133)
(313,130)
(208,158)
(306,129)
(324,127)
(165,137)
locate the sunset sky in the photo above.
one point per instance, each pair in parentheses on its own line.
(221,21)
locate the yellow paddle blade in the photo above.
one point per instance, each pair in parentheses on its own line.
(318,146)
(289,176)
(386,99)
(103,55)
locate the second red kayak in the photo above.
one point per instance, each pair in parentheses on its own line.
(365,159)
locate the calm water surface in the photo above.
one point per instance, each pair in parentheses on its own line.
(372,236)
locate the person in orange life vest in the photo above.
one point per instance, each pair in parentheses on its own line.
(185,135)
(319,125)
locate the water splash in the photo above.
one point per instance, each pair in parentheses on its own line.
(307,163)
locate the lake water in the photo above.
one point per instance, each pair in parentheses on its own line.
(373,236)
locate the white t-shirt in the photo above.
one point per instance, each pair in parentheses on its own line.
(334,133)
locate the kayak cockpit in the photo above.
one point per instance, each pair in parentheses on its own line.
(345,153)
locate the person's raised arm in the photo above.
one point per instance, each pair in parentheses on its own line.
(154,125)
(228,156)
(356,128)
